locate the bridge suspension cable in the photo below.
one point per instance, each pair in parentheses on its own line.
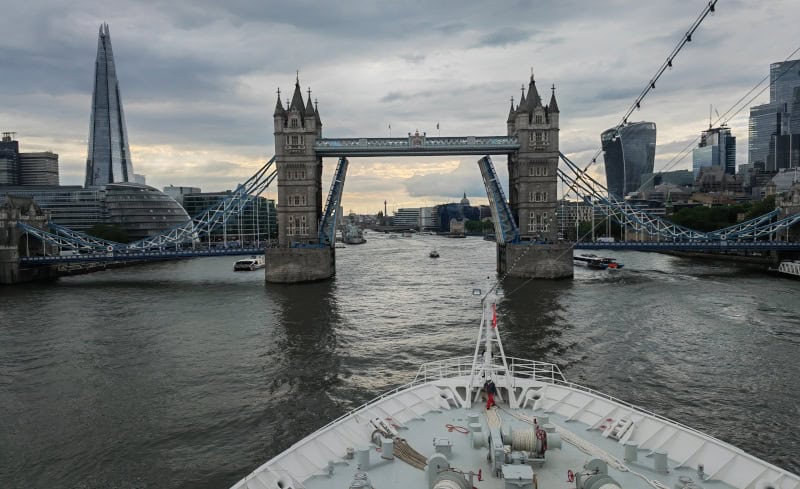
(619,209)
(651,85)
(725,117)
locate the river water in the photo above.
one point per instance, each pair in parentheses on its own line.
(188,375)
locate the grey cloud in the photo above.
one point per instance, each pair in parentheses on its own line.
(504,37)
(413,58)
(202,75)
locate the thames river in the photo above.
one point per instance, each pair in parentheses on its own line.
(188,375)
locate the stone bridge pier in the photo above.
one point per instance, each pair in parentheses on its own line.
(15,242)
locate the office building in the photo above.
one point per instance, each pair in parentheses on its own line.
(9,159)
(38,168)
(774,127)
(257,223)
(109,156)
(74,207)
(178,193)
(629,151)
(26,169)
(717,148)
(407,217)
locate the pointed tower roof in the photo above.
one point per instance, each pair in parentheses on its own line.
(523,102)
(297,99)
(511,113)
(309,106)
(553,105)
(534,99)
(316,113)
(279,110)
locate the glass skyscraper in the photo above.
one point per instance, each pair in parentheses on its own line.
(774,128)
(717,148)
(109,159)
(628,151)
(783,78)
(763,124)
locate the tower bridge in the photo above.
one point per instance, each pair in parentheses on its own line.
(30,246)
(531,145)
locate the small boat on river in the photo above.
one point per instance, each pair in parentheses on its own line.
(249,264)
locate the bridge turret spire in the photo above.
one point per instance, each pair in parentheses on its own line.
(297,100)
(309,106)
(512,112)
(534,100)
(553,105)
(279,110)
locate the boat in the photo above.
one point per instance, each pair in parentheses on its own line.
(611,262)
(433,254)
(589,261)
(490,237)
(252,263)
(353,234)
(534,430)
(789,267)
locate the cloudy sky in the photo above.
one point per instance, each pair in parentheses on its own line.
(198,79)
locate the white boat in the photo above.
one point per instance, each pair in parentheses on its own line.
(791,268)
(545,432)
(252,263)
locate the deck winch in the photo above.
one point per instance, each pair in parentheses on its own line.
(595,476)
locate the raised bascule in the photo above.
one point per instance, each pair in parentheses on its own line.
(531,145)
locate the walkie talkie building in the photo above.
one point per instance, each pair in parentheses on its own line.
(109,157)
(629,151)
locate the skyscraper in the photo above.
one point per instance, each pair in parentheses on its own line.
(109,159)
(9,159)
(717,148)
(628,151)
(775,127)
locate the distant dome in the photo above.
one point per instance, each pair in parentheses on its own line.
(465,200)
(142,210)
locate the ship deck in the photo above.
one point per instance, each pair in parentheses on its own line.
(435,415)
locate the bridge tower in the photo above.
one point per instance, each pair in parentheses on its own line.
(300,256)
(15,242)
(533,189)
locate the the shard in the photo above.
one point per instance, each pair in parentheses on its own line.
(109,157)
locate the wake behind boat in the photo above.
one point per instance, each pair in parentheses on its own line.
(437,432)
